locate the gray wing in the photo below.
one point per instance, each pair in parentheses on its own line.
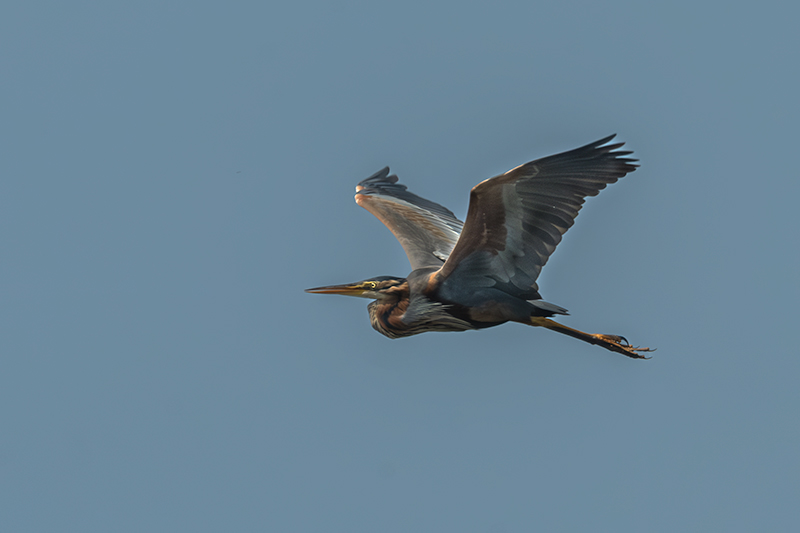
(516,220)
(426,230)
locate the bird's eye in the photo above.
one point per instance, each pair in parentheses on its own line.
(372,284)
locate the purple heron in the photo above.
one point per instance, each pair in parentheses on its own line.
(482,272)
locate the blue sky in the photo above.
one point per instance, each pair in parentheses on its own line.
(174,175)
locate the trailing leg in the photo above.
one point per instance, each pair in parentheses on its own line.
(615,343)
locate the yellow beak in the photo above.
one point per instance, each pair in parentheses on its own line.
(348,289)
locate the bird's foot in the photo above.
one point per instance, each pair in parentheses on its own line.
(619,344)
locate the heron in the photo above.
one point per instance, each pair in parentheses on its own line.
(482,272)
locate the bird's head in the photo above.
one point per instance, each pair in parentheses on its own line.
(378,288)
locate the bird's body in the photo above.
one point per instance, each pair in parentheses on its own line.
(482,272)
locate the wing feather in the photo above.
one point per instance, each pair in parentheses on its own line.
(426,230)
(516,220)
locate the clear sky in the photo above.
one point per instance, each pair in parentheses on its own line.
(173,175)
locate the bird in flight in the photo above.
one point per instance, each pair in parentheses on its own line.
(482,272)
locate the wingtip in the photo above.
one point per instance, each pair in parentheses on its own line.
(380,177)
(605,140)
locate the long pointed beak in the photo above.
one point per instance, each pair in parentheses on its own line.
(348,289)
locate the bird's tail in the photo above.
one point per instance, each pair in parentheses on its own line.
(547,308)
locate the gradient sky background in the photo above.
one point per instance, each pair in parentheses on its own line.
(175,174)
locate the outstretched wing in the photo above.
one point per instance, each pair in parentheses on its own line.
(426,230)
(516,220)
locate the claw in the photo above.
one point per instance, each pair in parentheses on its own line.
(620,344)
(616,339)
